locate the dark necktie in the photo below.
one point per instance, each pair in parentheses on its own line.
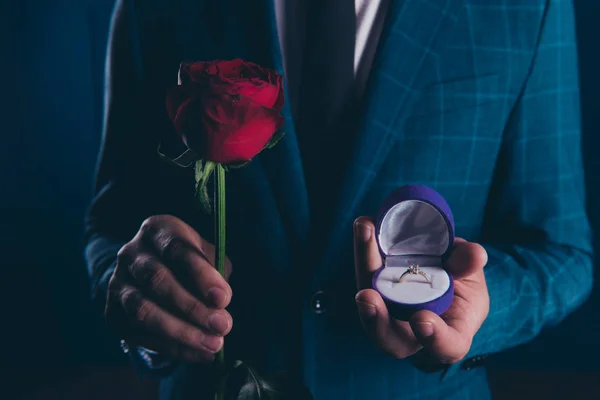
(325,101)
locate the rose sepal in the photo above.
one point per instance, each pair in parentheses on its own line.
(184,160)
(203,172)
(236,166)
(274,140)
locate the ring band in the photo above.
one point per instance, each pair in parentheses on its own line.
(414,270)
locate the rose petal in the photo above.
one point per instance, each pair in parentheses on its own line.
(200,72)
(175,97)
(231,69)
(226,111)
(237,132)
(266,95)
(278,105)
(189,126)
(243,144)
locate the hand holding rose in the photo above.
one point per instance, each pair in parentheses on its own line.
(148,304)
(226,113)
(447,338)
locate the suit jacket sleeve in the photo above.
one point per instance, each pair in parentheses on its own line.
(132,183)
(536,230)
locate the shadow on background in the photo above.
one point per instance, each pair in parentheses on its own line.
(52,69)
(54,344)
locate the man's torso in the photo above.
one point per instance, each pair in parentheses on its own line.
(445,80)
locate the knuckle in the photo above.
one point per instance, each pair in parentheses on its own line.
(151,229)
(151,223)
(206,247)
(174,248)
(126,254)
(148,273)
(142,310)
(128,301)
(135,305)
(156,279)
(127,298)
(141,268)
(193,310)
(156,225)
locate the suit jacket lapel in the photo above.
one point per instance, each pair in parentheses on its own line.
(413,34)
(282,164)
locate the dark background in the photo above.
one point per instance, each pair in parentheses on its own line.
(52,344)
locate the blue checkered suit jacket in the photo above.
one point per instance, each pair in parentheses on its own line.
(475,98)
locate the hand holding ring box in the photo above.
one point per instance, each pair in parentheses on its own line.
(415,234)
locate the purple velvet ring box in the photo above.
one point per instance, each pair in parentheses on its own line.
(414,227)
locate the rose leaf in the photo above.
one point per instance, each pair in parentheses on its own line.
(244,383)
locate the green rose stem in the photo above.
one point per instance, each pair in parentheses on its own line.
(203,171)
(220,257)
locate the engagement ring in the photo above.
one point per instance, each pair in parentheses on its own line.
(414,270)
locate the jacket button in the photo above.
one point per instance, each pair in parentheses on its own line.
(474,362)
(318,302)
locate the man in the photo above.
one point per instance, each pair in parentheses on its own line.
(475,98)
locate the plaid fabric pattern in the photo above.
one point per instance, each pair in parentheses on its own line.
(535,228)
(494,127)
(478,99)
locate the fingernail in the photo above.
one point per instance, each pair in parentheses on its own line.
(218,323)
(366,309)
(217,296)
(425,329)
(363,231)
(213,343)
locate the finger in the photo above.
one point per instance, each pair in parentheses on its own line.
(366,252)
(145,315)
(467,258)
(392,336)
(159,284)
(447,342)
(180,248)
(136,334)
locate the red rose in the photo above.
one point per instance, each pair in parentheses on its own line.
(226,111)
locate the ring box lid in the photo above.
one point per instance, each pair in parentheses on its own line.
(415,223)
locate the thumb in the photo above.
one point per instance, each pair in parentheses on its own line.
(467,259)
(366,252)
